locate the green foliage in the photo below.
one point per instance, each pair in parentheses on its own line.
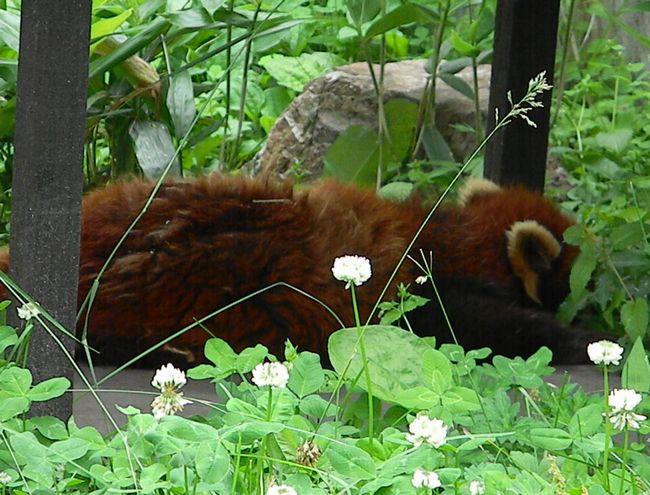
(603,145)
(313,434)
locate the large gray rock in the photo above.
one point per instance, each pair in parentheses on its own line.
(346,96)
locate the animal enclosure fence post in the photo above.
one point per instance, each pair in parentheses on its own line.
(48,179)
(525,42)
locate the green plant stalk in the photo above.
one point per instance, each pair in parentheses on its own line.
(608,428)
(364,359)
(615,109)
(641,223)
(430,110)
(228,96)
(244,87)
(478,121)
(626,445)
(559,91)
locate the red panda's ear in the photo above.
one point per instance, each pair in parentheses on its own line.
(475,187)
(531,250)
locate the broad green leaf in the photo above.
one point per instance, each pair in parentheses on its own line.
(626,235)
(191,19)
(401,122)
(28,449)
(616,140)
(9,29)
(49,389)
(8,338)
(315,405)
(391,372)
(180,102)
(154,149)
(250,431)
(636,371)
(283,406)
(463,47)
(586,421)
(15,382)
(350,158)
(295,72)
(220,353)
(417,397)
(397,192)
(404,14)
(212,462)
(105,26)
(250,357)
(436,371)
(350,461)
(50,427)
(12,406)
(212,5)
(634,315)
(553,439)
(150,478)
(68,450)
(583,267)
(435,145)
(458,84)
(362,11)
(460,400)
(306,375)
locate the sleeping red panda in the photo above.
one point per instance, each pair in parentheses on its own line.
(498,261)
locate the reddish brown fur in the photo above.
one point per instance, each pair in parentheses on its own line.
(206,243)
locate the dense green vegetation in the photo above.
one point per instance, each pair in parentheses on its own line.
(194,86)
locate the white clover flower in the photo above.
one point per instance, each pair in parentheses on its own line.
(421,280)
(623,402)
(271,374)
(352,269)
(28,311)
(5,479)
(281,490)
(425,479)
(605,352)
(170,401)
(425,429)
(623,399)
(476,487)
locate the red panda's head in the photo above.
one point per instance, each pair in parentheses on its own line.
(527,229)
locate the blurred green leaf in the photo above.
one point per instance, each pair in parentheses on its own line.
(154,149)
(636,371)
(180,102)
(634,315)
(130,47)
(407,13)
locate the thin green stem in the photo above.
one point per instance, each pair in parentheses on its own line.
(626,444)
(364,359)
(608,429)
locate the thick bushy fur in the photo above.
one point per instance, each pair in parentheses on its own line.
(206,243)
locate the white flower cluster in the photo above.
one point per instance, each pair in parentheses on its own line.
(271,374)
(605,352)
(170,401)
(421,280)
(476,487)
(425,479)
(352,270)
(5,479)
(425,429)
(281,490)
(622,402)
(28,311)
